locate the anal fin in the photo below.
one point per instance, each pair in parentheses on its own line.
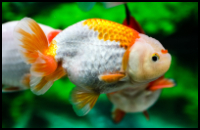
(83,100)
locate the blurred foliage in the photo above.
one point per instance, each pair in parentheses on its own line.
(173,23)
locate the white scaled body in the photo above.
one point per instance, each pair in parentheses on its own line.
(85,57)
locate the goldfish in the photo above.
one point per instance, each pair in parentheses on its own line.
(15,72)
(137,99)
(142,97)
(98,56)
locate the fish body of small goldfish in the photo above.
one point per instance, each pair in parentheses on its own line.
(137,99)
(98,56)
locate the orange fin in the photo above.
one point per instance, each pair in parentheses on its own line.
(26,80)
(117,115)
(110,78)
(161,83)
(35,49)
(52,34)
(146,114)
(44,65)
(7,89)
(39,85)
(83,100)
(33,42)
(31,38)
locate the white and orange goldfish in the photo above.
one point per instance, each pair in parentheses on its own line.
(15,72)
(142,97)
(98,56)
(137,99)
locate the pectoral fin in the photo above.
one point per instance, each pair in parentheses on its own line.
(83,100)
(110,78)
(161,83)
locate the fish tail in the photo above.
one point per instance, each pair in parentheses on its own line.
(33,45)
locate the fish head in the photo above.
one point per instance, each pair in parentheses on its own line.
(148,59)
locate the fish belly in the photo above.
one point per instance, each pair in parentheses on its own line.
(134,100)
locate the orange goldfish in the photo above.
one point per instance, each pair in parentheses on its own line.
(98,56)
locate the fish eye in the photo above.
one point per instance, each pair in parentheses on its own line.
(155,57)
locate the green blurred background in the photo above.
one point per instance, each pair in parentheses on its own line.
(174,24)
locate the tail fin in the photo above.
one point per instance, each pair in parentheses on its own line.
(34,47)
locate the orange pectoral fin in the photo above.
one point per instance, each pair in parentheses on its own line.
(109,78)
(83,100)
(161,83)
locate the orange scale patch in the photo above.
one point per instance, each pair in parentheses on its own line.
(52,49)
(112,31)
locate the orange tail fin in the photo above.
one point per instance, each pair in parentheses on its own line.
(34,47)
